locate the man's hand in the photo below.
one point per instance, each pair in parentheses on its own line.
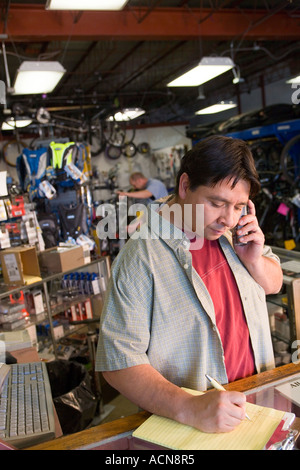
(252,235)
(266,271)
(215,411)
(122,193)
(212,411)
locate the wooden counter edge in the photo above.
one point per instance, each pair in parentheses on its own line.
(264,378)
(129,423)
(94,434)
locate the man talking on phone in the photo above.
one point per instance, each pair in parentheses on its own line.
(184,300)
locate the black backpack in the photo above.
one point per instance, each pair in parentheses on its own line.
(50,229)
(73,220)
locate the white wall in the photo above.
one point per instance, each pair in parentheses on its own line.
(162,139)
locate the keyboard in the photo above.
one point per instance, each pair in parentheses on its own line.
(26,407)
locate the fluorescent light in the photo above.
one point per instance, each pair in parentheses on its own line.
(12,123)
(127,114)
(294,80)
(217,108)
(208,68)
(85,4)
(37,77)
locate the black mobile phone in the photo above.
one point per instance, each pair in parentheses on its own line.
(236,237)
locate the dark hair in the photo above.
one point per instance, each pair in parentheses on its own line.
(217,158)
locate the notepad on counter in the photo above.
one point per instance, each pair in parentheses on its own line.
(249,435)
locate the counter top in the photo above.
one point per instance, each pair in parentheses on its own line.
(125,425)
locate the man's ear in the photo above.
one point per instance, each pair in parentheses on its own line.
(184,184)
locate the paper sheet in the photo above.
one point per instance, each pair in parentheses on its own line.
(249,435)
(292,265)
(291,390)
(3,184)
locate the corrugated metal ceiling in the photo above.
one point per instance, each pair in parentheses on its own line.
(127,58)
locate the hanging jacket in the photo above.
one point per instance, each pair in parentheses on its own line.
(31,167)
(62,154)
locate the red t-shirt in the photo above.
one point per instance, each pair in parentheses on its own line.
(214,270)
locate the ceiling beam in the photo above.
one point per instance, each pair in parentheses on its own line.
(33,22)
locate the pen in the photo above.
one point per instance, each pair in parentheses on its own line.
(218,386)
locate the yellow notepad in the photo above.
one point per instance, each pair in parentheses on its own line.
(249,435)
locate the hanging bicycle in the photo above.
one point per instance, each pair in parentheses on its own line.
(290,161)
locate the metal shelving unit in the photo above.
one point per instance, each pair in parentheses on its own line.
(291,298)
(103,267)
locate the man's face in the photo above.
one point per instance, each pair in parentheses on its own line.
(222,206)
(139,183)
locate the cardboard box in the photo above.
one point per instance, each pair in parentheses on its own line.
(60,259)
(20,265)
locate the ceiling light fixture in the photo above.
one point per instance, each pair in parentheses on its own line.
(217,108)
(127,114)
(85,4)
(237,76)
(15,123)
(35,77)
(294,80)
(208,68)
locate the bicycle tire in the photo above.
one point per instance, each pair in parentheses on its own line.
(113,152)
(284,159)
(20,146)
(129,150)
(143,148)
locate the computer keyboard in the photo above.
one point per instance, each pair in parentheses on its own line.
(26,407)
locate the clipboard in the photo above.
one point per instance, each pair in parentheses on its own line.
(282,433)
(267,428)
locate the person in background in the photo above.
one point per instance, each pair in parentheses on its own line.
(145,188)
(185,301)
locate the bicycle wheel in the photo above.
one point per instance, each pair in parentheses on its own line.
(96,138)
(113,151)
(114,134)
(11,151)
(143,148)
(290,160)
(129,150)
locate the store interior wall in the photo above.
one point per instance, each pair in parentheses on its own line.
(155,163)
(164,139)
(161,139)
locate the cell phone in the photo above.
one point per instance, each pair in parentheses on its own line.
(236,237)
